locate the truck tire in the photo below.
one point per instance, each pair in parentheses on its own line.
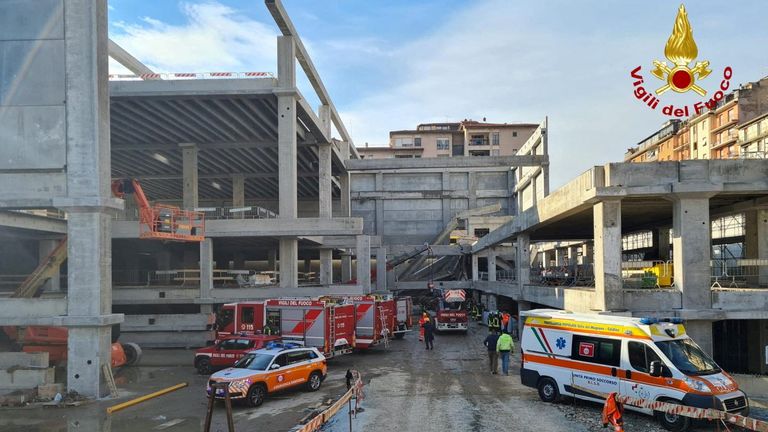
(256,395)
(314,381)
(132,353)
(203,366)
(548,391)
(673,422)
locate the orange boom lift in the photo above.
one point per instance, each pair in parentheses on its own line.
(160,221)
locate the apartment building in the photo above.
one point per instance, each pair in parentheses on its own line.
(464,138)
(390,152)
(713,134)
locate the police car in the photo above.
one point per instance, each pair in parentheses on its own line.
(278,366)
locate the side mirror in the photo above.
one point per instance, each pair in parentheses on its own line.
(655,368)
(274,366)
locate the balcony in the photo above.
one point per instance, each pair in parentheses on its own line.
(479,142)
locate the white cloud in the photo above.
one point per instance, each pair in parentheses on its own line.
(214,37)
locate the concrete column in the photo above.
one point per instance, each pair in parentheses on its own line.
(379,205)
(701,332)
(44,249)
(346,267)
(287,155)
(189,175)
(89,297)
(307,265)
(472,188)
(573,255)
(523,259)
(326,266)
(289,263)
(381,268)
(363,256)
(272,260)
(491,265)
(89,202)
(692,249)
(206,268)
(238,193)
(756,243)
(588,253)
(325,185)
(607,234)
(522,306)
(475,270)
(345,200)
(446,202)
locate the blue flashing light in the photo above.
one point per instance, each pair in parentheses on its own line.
(283,345)
(648,320)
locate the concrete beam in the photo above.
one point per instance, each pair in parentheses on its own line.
(344,242)
(126,59)
(31,222)
(185,88)
(437,250)
(21,311)
(452,162)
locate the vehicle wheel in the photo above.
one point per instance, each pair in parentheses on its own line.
(315,379)
(132,353)
(548,391)
(399,335)
(256,395)
(673,422)
(203,366)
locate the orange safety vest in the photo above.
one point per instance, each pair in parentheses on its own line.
(613,413)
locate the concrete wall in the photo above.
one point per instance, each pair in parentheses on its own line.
(412,207)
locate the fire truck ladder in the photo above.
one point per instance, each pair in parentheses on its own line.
(332,325)
(47,269)
(384,329)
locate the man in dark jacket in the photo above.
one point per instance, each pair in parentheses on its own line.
(493,355)
(429,333)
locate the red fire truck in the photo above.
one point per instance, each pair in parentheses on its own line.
(375,319)
(404,316)
(451,311)
(325,325)
(237,318)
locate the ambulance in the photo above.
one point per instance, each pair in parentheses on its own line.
(648,358)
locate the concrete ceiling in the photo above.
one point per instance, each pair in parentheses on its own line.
(637,214)
(235,131)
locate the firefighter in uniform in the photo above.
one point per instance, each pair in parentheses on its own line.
(424,319)
(493,322)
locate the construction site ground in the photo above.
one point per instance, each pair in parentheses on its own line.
(407,388)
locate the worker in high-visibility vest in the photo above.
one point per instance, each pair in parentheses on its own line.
(424,319)
(493,322)
(505,321)
(613,413)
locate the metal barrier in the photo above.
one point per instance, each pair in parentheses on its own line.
(739,273)
(355,392)
(582,275)
(647,274)
(506,276)
(214,213)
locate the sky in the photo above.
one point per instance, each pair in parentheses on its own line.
(392,64)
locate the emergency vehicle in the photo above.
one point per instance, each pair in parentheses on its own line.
(404,316)
(326,325)
(228,350)
(276,367)
(237,318)
(451,313)
(375,319)
(647,358)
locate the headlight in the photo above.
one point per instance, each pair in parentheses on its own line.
(697,385)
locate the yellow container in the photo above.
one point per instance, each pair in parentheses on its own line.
(664,273)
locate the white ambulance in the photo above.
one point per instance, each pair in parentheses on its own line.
(646,358)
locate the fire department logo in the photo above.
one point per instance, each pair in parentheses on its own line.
(681,74)
(681,50)
(280,378)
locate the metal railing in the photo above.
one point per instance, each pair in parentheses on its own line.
(190,76)
(214,213)
(739,273)
(569,275)
(647,274)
